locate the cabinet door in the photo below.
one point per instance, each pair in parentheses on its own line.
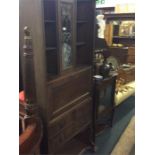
(66,36)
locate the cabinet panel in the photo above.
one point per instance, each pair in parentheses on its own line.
(60,123)
(71,88)
(82,6)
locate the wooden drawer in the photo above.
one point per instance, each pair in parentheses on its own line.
(58,124)
(79,114)
(69,124)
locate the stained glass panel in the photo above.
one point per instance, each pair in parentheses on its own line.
(66,19)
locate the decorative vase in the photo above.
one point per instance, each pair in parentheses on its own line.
(105,69)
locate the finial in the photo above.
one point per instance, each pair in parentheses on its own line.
(27,31)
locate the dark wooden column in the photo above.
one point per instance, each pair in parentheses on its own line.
(29,77)
(31,136)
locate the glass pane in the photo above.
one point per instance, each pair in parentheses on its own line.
(66,20)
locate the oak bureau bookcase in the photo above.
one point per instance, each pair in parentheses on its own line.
(62,34)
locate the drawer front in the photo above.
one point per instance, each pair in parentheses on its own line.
(63,93)
(60,123)
(69,124)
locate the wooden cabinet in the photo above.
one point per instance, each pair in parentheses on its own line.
(62,32)
(120,28)
(120,36)
(104,93)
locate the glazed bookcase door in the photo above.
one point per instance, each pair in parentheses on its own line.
(66,22)
(51,36)
(84,32)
